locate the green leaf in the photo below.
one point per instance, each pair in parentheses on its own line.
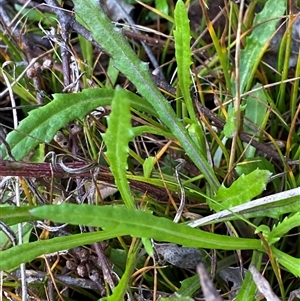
(177,298)
(5,243)
(118,135)
(248,288)
(19,88)
(34,15)
(144,129)
(112,74)
(127,62)
(162,6)
(264,26)
(273,206)
(183,55)
(42,124)
(13,257)
(243,190)
(196,133)
(189,286)
(120,289)
(255,113)
(148,166)
(229,127)
(148,246)
(284,227)
(289,262)
(141,224)
(11,215)
(251,164)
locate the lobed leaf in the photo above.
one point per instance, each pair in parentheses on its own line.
(117,137)
(183,54)
(243,190)
(273,206)
(284,227)
(43,123)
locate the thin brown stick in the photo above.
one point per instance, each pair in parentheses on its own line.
(46,170)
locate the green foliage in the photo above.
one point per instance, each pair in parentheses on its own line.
(141,224)
(248,289)
(137,72)
(256,44)
(255,115)
(274,206)
(11,215)
(289,262)
(249,165)
(18,88)
(183,55)
(284,227)
(189,286)
(269,114)
(11,258)
(148,166)
(230,126)
(43,123)
(162,6)
(120,290)
(177,298)
(116,138)
(243,190)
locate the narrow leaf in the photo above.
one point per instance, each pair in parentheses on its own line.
(289,262)
(141,224)
(11,258)
(42,124)
(117,137)
(120,289)
(148,166)
(183,54)
(255,114)
(248,288)
(11,215)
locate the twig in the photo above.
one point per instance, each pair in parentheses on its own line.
(71,281)
(102,261)
(45,170)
